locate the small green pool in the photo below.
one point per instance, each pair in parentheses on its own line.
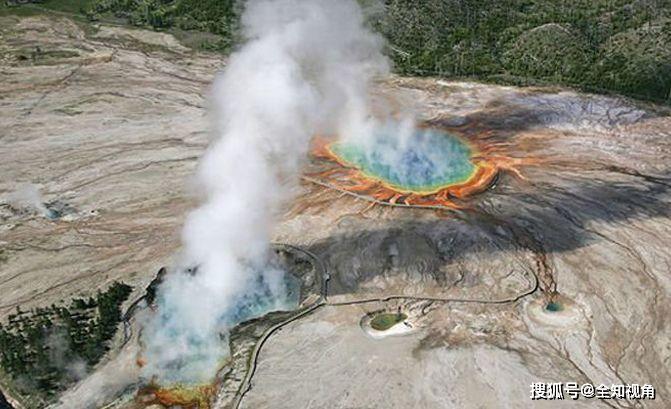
(384,321)
(554,307)
(426,161)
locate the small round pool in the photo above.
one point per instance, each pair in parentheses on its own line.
(553,306)
(425,161)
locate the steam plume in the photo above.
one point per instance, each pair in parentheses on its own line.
(27,196)
(305,69)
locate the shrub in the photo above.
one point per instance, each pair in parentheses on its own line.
(637,62)
(551,51)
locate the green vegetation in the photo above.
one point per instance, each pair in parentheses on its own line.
(621,46)
(602,45)
(219,17)
(386,320)
(46,349)
(73,7)
(67,6)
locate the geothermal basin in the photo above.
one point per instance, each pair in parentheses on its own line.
(425,161)
(421,166)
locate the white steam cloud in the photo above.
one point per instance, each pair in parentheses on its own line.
(305,69)
(27,196)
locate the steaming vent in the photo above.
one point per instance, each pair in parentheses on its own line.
(291,278)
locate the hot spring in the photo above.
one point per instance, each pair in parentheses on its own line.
(201,353)
(554,306)
(425,161)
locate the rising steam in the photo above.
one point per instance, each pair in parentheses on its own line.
(27,197)
(305,69)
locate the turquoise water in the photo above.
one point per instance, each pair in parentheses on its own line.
(426,161)
(554,307)
(256,302)
(178,352)
(261,302)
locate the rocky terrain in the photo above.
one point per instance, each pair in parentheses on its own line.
(108,123)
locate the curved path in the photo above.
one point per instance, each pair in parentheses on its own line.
(246,385)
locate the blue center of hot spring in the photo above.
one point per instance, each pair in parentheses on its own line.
(423,161)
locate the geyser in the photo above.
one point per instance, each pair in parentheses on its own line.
(305,69)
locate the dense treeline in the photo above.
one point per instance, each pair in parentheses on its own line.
(215,16)
(601,45)
(45,349)
(607,45)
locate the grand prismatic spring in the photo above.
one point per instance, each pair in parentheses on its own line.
(427,167)
(426,163)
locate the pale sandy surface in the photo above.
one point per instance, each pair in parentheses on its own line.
(112,130)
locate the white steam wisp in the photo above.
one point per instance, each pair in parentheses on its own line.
(305,69)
